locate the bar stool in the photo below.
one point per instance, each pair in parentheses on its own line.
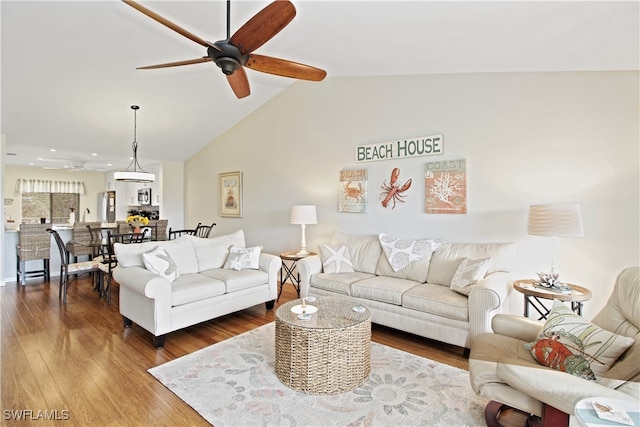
(81,243)
(34,243)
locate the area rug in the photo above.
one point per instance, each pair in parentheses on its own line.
(233,383)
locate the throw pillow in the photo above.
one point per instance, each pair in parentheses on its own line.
(159,262)
(468,273)
(571,344)
(240,258)
(336,259)
(182,253)
(402,252)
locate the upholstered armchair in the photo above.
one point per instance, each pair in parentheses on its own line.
(503,369)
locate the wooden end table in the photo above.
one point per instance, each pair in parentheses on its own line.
(290,270)
(533,295)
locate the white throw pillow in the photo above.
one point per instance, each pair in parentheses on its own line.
(159,262)
(336,259)
(402,252)
(183,254)
(241,258)
(468,273)
(212,253)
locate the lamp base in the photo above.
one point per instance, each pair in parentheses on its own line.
(303,252)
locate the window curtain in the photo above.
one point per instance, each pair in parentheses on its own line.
(48,186)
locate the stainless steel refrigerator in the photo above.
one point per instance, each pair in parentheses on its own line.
(107,206)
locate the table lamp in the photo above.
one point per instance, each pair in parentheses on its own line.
(303,215)
(554,220)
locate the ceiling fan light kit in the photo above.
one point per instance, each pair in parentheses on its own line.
(235,52)
(134,172)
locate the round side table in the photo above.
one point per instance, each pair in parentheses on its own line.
(533,295)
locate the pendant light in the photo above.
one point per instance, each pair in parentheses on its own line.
(134,172)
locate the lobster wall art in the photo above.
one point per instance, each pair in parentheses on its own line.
(394,191)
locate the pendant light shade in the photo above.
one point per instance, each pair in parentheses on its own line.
(134,172)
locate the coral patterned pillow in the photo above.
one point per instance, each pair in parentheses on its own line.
(468,273)
(571,344)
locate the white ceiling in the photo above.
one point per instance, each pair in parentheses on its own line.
(69,77)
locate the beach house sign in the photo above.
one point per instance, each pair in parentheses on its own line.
(393,150)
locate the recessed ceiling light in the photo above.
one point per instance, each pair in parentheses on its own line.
(53,150)
(39,158)
(30,164)
(94,154)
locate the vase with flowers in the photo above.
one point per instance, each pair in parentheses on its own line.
(137,221)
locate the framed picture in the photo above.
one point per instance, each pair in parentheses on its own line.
(230,198)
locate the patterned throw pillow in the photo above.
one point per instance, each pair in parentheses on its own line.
(159,262)
(402,252)
(571,344)
(336,259)
(241,258)
(468,273)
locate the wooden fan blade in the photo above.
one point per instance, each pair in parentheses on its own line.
(177,63)
(239,83)
(264,25)
(283,67)
(164,21)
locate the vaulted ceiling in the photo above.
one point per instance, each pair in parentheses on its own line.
(69,68)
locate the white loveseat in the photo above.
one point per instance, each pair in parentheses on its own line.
(418,298)
(208,283)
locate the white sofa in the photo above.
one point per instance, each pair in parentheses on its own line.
(418,298)
(207,285)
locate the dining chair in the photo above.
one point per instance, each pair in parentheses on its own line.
(204,230)
(174,234)
(70,268)
(34,243)
(110,261)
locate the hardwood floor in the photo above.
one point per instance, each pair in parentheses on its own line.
(78,363)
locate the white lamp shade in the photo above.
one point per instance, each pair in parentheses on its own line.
(556,220)
(134,176)
(304,214)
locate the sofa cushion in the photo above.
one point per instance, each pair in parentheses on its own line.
(448,256)
(364,250)
(159,262)
(237,280)
(437,300)
(212,252)
(195,287)
(336,259)
(243,258)
(468,273)
(382,288)
(182,253)
(337,282)
(130,255)
(570,343)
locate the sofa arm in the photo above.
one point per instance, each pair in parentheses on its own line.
(144,282)
(271,264)
(555,388)
(485,300)
(515,326)
(306,268)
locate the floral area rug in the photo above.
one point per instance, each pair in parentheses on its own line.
(233,383)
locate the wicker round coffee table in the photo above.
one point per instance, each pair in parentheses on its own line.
(328,354)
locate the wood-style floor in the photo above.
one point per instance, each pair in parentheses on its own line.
(78,363)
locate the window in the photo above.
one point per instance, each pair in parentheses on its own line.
(54,207)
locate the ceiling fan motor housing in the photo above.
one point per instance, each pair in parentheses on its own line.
(227,56)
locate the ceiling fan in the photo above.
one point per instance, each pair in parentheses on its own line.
(236,51)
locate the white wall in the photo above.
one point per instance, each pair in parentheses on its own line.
(527,138)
